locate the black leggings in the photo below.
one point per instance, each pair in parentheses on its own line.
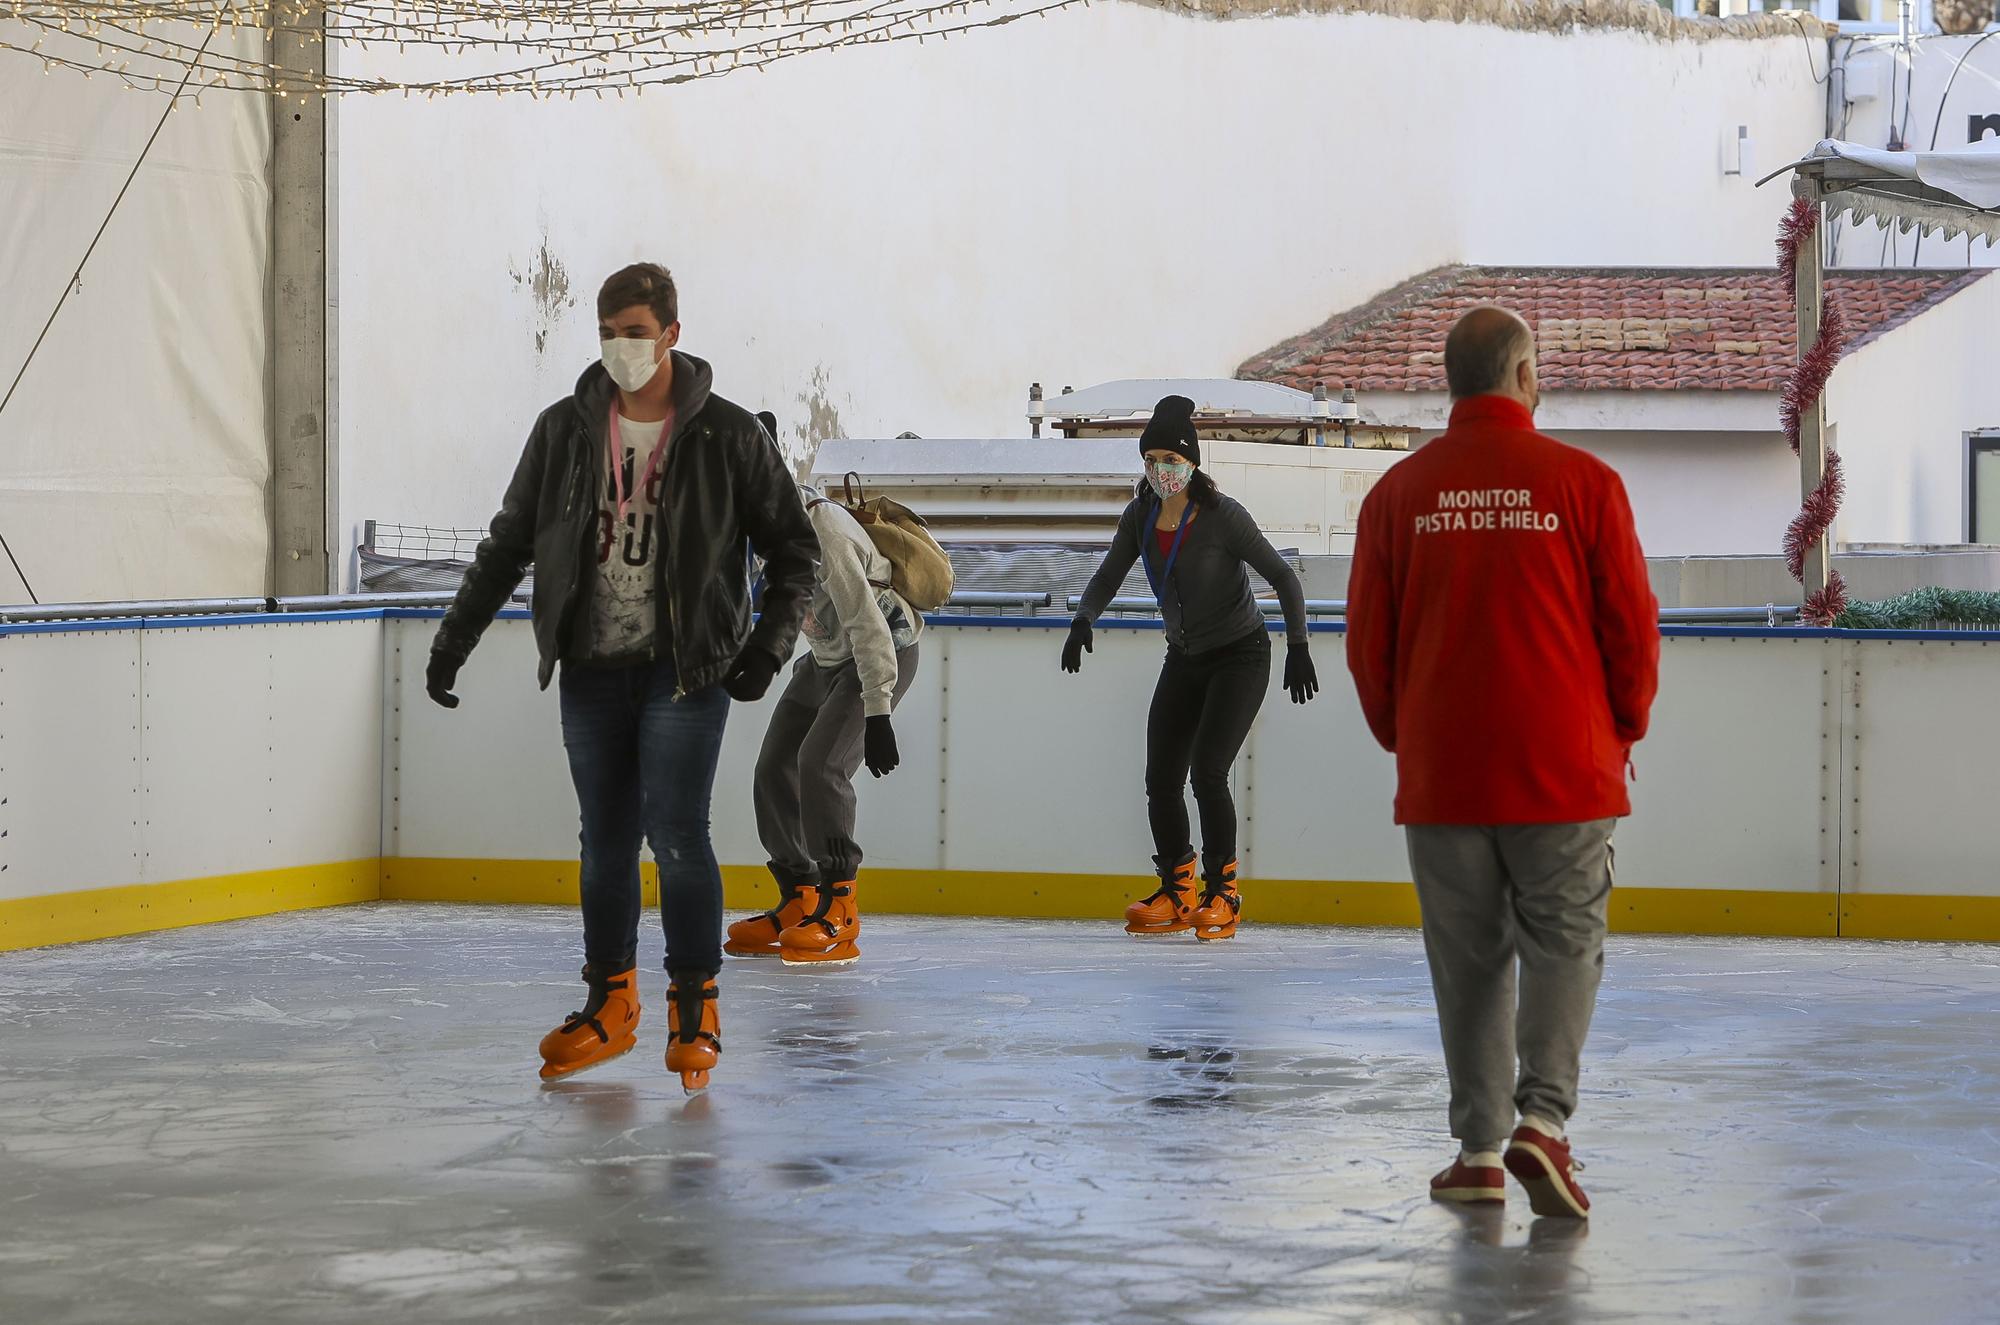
(1202,711)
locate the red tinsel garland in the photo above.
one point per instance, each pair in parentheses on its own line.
(1804,386)
(1815,517)
(1800,224)
(1823,606)
(1808,377)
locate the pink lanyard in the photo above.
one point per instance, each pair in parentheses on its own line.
(614,449)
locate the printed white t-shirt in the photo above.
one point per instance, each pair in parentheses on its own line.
(624,619)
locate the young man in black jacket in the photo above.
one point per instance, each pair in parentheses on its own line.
(634,501)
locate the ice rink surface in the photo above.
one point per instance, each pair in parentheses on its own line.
(334,1116)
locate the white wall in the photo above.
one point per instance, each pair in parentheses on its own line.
(183,752)
(1036,757)
(1707,471)
(1902,405)
(1701,493)
(1744,783)
(133,459)
(1783,761)
(903,238)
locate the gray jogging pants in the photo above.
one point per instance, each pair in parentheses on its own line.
(804,792)
(1492,897)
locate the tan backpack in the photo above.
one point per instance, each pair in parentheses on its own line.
(919,570)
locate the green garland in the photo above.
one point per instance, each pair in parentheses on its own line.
(1924,607)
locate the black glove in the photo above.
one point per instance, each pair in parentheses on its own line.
(751,675)
(879,746)
(1300,677)
(1076,645)
(440,676)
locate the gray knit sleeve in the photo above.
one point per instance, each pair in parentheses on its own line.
(1104,585)
(1249,543)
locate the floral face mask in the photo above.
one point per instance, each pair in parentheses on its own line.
(1168,478)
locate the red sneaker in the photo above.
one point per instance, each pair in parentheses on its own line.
(1545,1168)
(1470,1184)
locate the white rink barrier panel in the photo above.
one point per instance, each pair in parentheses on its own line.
(155,774)
(1766,802)
(174,771)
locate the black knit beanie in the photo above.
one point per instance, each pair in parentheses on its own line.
(770,422)
(1172,429)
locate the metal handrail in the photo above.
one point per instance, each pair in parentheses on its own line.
(127,611)
(363,601)
(1770,614)
(1269,606)
(181,607)
(986,598)
(178,607)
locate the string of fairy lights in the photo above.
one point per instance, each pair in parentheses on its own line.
(549,49)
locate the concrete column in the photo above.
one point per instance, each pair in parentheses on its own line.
(303,468)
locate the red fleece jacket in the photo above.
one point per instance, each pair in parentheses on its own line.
(1500,626)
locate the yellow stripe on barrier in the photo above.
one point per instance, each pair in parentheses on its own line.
(1724,911)
(102,913)
(1910,916)
(907,892)
(508,882)
(1103,897)
(108,912)
(1318,902)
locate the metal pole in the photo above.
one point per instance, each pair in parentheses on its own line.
(1810,292)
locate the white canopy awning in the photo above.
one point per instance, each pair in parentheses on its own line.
(1972,173)
(1955,192)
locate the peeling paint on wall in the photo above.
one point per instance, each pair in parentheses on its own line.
(546,282)
(821,420)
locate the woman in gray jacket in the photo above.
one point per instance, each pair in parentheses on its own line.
(1195,544)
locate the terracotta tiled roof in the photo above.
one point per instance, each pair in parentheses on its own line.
(1599,328)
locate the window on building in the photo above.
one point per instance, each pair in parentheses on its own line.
(1854,16)
(1982,488)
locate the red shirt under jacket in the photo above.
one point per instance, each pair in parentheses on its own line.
(1500,626)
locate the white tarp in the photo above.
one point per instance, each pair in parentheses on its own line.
(133,458)
(1971,173)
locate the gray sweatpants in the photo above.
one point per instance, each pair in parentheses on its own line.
(804,791)
(1492,895)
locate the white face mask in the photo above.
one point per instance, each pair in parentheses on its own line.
(630,362)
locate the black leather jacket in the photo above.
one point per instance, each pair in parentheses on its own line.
(725,484)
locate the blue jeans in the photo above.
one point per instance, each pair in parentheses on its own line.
(644,767)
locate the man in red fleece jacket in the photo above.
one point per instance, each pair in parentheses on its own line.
(1505,643)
